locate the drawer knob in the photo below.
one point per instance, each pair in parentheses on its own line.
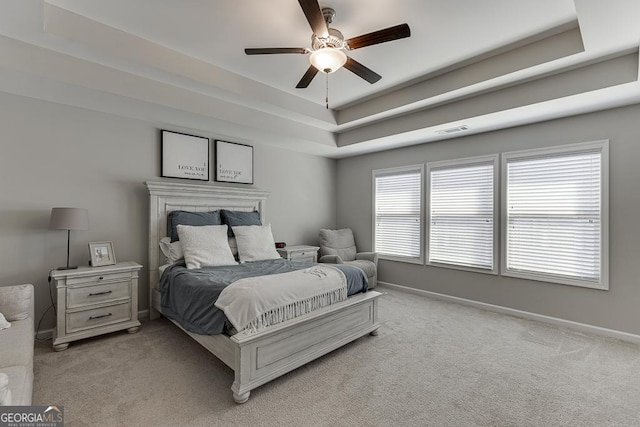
(100,278)
(100,317)
(99,293)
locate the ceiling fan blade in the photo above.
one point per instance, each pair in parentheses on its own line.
(272,50)
(361,71)
(381,36)
(312,11)
(308,76)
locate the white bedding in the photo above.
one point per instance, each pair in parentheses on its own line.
(256,302)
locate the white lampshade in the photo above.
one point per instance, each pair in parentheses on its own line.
(69,219)
(328,59)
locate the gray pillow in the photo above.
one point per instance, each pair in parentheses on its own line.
(239,218)
(190,218)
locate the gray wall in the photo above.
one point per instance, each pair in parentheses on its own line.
(616,309)
(54,155)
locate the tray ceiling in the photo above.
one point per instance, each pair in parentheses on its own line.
(182,65)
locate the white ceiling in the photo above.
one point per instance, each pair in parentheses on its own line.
(253,98)
(443,32)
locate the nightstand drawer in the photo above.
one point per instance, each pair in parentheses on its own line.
(87,295)
(98,278)
(303,256)
(101,316)
(299,253)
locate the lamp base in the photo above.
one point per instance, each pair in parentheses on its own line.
(67,268)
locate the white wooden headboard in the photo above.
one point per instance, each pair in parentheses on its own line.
(167,196)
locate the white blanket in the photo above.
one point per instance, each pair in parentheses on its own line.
(256,302)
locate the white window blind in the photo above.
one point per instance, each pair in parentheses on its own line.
(461,213)
(398,212)
(554,208)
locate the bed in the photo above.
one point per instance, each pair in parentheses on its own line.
(259,357)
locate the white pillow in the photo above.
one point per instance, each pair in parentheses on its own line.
(255,243)
(3,322)
(5,393)
(15,301)
(172,251)
(205,246)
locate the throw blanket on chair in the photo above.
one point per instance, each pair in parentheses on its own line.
(256,302)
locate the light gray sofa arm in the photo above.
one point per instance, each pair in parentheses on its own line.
(16,343)
(370,256)
(331,259)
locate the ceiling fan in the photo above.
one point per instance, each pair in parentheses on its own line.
(328,45)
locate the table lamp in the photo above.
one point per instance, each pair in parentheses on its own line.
(69,219)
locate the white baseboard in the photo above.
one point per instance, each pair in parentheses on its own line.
(582,327)
(45,334)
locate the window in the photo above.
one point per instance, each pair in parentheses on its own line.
(398,213)
(555,214)
(462,213)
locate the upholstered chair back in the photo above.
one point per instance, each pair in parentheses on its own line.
(338,242)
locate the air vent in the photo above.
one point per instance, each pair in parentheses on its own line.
(452,130)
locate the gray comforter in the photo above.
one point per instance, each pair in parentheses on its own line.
(188,296)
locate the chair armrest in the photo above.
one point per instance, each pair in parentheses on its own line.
(331,259)
(370,256)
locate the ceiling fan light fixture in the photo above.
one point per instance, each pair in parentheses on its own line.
(328,45)
(328,59)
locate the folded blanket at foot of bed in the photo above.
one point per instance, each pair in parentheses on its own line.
(256,302)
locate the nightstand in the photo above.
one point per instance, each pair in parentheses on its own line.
(95,300)
(299,253)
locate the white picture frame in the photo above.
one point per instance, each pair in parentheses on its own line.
(185,156)
(234,162)
(102,253)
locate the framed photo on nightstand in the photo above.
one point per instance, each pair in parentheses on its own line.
(102,253)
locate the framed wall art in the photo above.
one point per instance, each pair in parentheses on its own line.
(185,156)
(234,162)
(102,253)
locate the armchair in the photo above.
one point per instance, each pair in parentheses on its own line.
(339,247)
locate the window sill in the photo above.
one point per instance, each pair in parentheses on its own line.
(408,260)
(556,280)
(493,272)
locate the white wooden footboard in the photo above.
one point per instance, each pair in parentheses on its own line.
(283,348)
(259,358)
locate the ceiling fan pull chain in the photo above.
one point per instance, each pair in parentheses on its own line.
(326,99)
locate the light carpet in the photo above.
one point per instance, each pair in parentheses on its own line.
(434,363)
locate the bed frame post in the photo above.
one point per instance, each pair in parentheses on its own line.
(241,393)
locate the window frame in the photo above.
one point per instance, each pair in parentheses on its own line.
(392,171)
(603,147)
(492,158)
